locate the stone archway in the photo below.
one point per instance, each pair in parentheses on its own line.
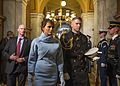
(85,9)
(94,17)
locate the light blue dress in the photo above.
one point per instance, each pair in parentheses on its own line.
(45,61)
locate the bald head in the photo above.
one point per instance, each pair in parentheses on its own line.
(21,26)
(21,30)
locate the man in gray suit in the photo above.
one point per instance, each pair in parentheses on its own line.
(17,52)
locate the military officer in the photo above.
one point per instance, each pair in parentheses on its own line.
(102,62)
(75,44)
(113,53)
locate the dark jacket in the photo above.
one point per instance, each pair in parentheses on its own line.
(74,48)
(10,49)
(102,52)
(114,56)
(3,42)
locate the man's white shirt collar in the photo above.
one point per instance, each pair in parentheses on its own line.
(101,39)
(114,36)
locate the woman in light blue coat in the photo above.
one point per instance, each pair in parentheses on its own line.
(46,58)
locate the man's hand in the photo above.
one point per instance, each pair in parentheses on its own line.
(20,60)
(66,76)
(103,65)
(96,58)
(13,57)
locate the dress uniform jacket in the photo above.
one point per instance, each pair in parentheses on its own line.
(102,62)
(102,52)
(74,47)
(114,56)
(45,60)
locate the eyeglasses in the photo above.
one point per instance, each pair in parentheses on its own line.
(50,26)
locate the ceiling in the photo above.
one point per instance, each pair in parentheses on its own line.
(55,4)
(78,6)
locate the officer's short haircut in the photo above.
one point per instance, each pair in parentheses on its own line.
(79,18)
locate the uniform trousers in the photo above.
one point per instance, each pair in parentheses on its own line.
(103,76)
(78,79)
(111,72)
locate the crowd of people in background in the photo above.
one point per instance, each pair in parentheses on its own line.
(59,61)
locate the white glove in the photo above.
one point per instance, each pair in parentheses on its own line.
(62,81)
(103,64)
(96,58)
(117,76)
(66,76)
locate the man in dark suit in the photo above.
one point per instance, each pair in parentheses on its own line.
(3,42)
(17,52)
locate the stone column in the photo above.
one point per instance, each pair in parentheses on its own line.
(1,19)
(111,10)
(104,11)
(102,14)
(20,12)
(36,19)
(100,17)
(95,33)
(28,29)
(88,27)
(9,13)
(15,13)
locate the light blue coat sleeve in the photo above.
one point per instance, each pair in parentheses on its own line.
(60,63)
(32,57)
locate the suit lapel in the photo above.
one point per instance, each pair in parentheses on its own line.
(23,47)
(15,43)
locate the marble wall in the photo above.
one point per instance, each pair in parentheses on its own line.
(104,11)
(1,27)
(36,19)
(1,19)
(15,14)
(88,25)
(10,15)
